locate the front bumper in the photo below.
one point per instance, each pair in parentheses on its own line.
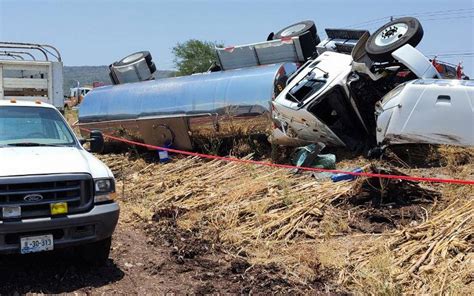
(68,231)
(278,137)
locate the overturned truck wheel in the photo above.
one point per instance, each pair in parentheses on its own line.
(392,36)
(307,33)
(134,57)
(297,29)
(133,68)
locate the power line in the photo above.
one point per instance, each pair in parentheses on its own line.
(453,55)
(463,15)
(448,18)
(442,12)
(462,51)
(421,14)
(429,19)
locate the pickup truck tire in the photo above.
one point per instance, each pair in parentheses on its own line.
(307,33)
(96,253)
(392,36)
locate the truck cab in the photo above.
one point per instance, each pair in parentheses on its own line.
(53,193)
(385,92)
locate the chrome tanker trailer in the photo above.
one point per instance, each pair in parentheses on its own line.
(182,111)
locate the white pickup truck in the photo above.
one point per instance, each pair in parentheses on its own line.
(53,193)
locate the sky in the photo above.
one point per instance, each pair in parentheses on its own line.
(99,32)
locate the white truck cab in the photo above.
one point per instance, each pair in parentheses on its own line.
(296,109)
(384,93)
(53,193)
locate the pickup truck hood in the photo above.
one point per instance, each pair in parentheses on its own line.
(19,161)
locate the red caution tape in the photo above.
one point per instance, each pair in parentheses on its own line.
(285,166)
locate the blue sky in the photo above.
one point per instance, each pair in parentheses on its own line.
(98,32)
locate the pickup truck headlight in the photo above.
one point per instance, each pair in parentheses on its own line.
(104,190)
(393,93)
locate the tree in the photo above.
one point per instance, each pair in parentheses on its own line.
(194,56)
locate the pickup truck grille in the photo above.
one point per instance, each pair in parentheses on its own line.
(75,189)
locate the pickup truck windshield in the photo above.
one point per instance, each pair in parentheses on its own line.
(33,126)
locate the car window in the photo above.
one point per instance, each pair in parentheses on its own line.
(304,89)
(33,125)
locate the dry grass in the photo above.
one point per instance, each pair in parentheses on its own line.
(435,257)
(432,258)
(271,217)
(263,213)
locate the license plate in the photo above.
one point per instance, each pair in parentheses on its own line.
(34,244)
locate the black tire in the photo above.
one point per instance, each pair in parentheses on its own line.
(270,36)
(297,29)
(97,253)
(152,67)
(307,33)
(214,67)
(134,57)
(388,34)
(113,79)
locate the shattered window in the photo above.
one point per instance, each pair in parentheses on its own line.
(304,89)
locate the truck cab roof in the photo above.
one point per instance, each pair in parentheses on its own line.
(25,103)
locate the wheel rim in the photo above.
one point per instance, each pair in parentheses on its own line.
(132,57)
(293,29)
(391,34)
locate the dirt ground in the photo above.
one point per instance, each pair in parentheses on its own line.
(142,262)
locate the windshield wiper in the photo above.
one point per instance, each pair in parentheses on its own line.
(293,97)
(326,74)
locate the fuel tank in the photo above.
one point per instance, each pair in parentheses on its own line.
(182,111)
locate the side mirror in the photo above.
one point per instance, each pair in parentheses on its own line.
(96,140)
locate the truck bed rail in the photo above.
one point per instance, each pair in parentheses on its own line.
(31,72)
(47,51)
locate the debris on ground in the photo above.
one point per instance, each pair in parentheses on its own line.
(309,156)
(313,232)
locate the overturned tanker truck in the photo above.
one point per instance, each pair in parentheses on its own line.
(232,99)
(352,89)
